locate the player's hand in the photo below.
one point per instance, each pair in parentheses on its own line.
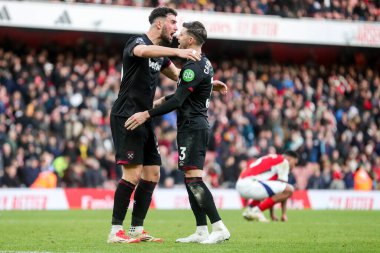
(158,102)
(220,86)
(136,120)
(273,218)
(190,54)
(284,218)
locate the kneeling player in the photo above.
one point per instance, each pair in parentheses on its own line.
(266,180)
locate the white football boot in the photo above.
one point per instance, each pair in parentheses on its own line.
(247,214)
(219,234)
(200,235)
(257,215)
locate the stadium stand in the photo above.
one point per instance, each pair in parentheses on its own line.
(366,10)
(323,101)
(55,105)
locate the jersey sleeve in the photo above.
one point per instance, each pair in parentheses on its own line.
(190,76)
(166,63)
(132,43)
(174,101)
(282,170)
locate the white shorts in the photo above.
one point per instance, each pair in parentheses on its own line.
(250,188)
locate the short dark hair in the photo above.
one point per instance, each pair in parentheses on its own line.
(197,29)
(161,12)
(291,153)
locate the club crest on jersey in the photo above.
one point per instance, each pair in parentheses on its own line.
(130,155)
(188,75)
(140,41)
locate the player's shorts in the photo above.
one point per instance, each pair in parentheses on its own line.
(192,146)
(250,188)
(134,147)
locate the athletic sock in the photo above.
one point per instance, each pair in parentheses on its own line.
(136,229)
(199,213)
(217,226)
(143,197)
(116,228)
(202,229)
(203,197)
(121,201)
(267,203)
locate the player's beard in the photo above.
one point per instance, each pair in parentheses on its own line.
(182,44)
(165,38)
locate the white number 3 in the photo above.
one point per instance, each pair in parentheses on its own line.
(182,154)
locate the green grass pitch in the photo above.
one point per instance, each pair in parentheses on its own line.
(86,231)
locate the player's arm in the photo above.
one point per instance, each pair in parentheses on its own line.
(151,51)
(171,104)
(284,217)
(171,72)
(272,215)
(186,85)
(220,87)
(160,101)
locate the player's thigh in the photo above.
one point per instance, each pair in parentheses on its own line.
(274,187)
(152,156)
(192,146)
(251,189)
(129,145)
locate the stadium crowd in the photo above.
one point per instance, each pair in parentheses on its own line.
(368,10)
(55,106)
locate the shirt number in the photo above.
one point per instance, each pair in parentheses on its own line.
(121,74)
(182,154)
(207,103)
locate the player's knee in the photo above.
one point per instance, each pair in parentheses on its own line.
(131,177)
(289,189)
(193,173)
(131,174)
(151,174)
(155,176)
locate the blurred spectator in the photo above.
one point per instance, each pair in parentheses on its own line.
(348,177)
(10,177)
(331,9)
(320,180)
(73,177)
(362,181)
(93,177)
(376,170)
(31,171)
(46,179)
(315,180)
(337,181)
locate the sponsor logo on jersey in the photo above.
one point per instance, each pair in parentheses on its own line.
(188,75)
(154,65)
